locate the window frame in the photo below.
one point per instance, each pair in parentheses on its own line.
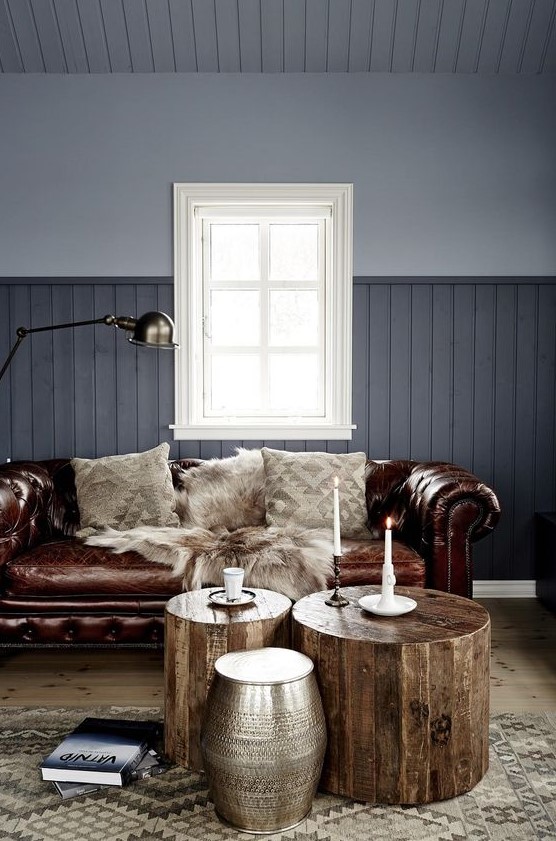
(191,423)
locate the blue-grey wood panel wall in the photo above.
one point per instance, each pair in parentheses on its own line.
(454,369)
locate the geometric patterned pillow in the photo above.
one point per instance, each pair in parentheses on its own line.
(299,490)
(125,491)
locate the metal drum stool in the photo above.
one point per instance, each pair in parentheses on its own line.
(263,738)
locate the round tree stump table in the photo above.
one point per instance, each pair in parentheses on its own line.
(197,632)
(406,698)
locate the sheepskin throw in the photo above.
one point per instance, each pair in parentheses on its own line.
(292,561)
(223,492)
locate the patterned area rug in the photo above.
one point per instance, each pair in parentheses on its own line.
(515,801)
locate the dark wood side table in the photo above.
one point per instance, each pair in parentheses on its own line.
(545,558)
(197,633)
(406,699)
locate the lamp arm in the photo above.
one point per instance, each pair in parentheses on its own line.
(125,322)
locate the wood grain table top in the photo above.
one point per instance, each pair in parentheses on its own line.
(438,616)
(195,606)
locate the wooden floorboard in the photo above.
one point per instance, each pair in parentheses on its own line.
(523,668)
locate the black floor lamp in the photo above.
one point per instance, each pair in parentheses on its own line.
(153,329)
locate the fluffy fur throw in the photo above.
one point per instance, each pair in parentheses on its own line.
(295,562)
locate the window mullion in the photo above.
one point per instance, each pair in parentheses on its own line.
(264,316)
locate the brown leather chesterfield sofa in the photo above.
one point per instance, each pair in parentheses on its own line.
(55,591)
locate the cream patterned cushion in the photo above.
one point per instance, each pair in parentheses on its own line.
(125,491)
(299,490)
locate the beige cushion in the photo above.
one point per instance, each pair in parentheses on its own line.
(299,490)
(125,491)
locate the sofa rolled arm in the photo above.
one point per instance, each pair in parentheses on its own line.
(26,492)
(446,509)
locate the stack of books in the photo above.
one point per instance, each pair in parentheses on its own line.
(103,752)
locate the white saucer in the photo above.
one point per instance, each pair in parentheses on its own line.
(219,597)
(401,605)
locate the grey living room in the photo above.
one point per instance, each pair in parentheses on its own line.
(277,436)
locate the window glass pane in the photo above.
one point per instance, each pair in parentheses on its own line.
(294,382)
(235,383)
(234,252)
(234,317)
(293,252)
(294,317)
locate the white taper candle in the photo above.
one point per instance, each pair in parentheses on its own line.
(337,541)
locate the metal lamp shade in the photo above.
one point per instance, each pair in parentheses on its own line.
(154,329)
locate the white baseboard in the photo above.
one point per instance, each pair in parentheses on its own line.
(524,589)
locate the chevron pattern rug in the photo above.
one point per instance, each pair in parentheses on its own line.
(515,801)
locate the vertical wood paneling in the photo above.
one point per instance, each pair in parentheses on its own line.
(504,420)
(442,370)
(7,339)
(63,353)
(400,371)
(84,372)
(493,36)
(421,371)
(105,372)
(360,396)
(442,380)
(545,482)
(127,421)
(463,373)
(20,370)
(379,371)
(165,303)
(483,401)
(471,34)
(42,385)
(525,414)
(516,32)
(148,432)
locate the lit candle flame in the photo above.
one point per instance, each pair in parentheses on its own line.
(389,522)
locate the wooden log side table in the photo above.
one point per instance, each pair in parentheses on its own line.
(406,698)
(197,633)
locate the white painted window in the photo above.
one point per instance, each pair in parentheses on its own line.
(263,298)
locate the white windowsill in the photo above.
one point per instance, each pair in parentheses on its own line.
(237,432)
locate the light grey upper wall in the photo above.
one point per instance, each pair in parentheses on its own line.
(453,175)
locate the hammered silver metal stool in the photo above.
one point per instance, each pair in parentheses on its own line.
(263,739)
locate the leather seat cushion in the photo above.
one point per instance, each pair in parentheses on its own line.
(362,563)
(70,568)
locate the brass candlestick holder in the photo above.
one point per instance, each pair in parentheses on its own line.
(336,599)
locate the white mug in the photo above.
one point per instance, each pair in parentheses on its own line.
(233,582)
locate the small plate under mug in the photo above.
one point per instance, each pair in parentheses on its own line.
(401,605)
(219,597)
